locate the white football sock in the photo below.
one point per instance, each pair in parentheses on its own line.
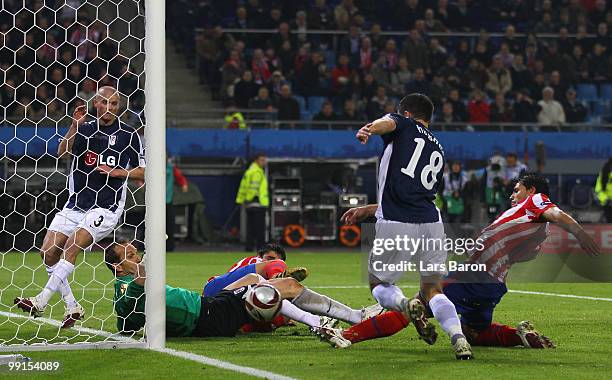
(64,289)
(291,311)
(322,305)
(60,273)
(388,296)
(445,312)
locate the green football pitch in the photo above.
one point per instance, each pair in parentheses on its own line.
(579,325)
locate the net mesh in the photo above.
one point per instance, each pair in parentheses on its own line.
(54,57)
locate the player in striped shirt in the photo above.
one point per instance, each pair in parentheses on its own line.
(515,236)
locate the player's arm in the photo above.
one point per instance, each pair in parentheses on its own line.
(136,162)
(136,173)
(565,221)
(357,214)
(65,145)
(381,126)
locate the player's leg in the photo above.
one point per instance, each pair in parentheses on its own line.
(382,280)
(446,313)
(379,326)
(432,257)
(214,286)
(314,302)
(267,269)
(95,225)
(63,225)
(51,253)
(78,241)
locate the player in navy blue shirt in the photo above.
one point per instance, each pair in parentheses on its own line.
(409,174)
(105,152)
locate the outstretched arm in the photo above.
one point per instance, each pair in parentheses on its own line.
(380,126)
(357,214)
(78,117)
(565,221)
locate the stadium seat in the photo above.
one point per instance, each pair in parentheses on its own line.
(581,195)
(587,91)
(600,108)
(301,102)
(315,103)
(606,92)
(330,59)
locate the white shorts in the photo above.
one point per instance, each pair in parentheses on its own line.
(422,250)
(99,222)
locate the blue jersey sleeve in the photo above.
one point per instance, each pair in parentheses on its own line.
(136,152)
(400,125)
(79,145)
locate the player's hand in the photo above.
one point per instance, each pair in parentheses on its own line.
(363,134)
(185,188)
(353,215)
(588,244)
(79,114)
(105,169)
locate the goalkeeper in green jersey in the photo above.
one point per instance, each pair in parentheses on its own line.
(190,314)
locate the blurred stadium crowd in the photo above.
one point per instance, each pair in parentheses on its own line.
(538,61)
(55,54)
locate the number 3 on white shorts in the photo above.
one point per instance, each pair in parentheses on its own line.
(435,165)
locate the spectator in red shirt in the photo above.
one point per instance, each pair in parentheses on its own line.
(478,108)
(341,73)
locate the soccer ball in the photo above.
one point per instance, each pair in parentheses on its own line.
(262,302)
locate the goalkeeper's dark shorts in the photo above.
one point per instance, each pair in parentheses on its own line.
(223,314)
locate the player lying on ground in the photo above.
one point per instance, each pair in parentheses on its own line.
(269,263)
(515,236)
(409,175)
(190,314)
(105,153)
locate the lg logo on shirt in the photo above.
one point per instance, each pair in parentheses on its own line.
(91,159)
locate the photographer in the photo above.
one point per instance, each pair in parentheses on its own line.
(494,186)
(454,186)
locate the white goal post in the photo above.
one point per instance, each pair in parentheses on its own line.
(22,272)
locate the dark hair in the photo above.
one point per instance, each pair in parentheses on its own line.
(110,256)
(272,247)
(419,105)
(258,155)
(535,180)
(512,154)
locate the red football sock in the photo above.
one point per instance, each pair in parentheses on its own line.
(498,335)
(376,327)
(274,267)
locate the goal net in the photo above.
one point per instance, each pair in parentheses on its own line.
(57,56)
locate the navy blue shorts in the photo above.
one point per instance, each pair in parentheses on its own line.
(475,302)
(219,283)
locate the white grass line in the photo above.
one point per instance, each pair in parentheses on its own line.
(86,330)
(510,291)
(415,287)
(561,295)
(224,365)
(181,354)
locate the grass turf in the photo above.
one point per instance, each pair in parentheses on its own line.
(580,328)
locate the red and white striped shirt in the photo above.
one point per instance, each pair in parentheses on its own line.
(515,236)
(244,262)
